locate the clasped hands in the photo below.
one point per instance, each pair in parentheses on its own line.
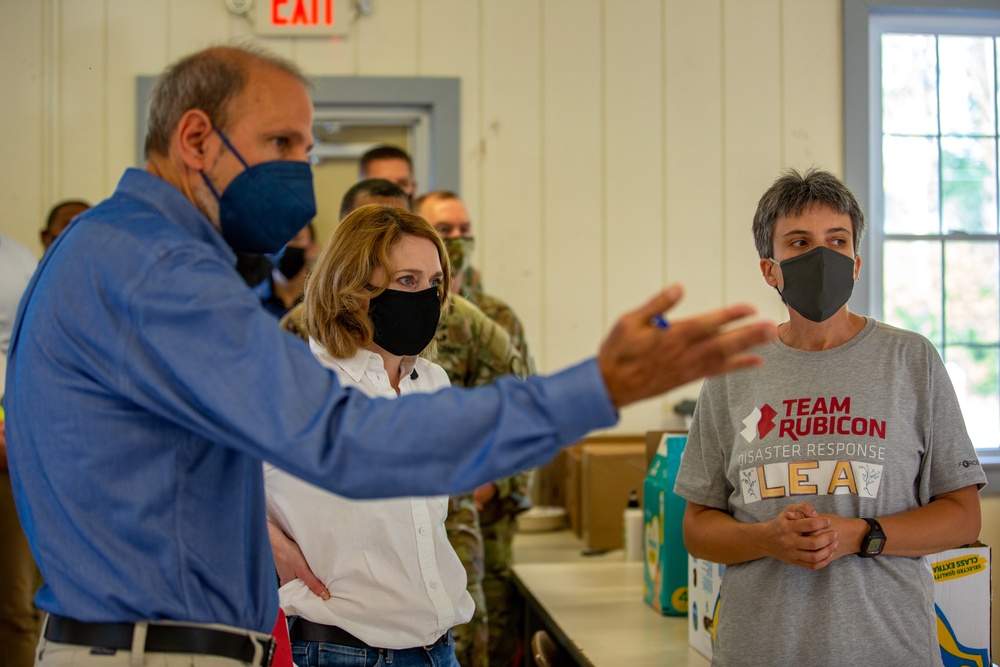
(803,537)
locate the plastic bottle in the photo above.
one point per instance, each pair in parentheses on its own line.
(632,521)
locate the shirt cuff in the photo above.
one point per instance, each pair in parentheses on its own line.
(580,401)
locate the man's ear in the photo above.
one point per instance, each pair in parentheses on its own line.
(193,134)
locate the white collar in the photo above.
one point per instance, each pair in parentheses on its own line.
(356,366)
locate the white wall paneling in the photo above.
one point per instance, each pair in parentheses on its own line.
(608,147)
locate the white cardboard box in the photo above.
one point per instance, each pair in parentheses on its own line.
(704,587)
(962,602)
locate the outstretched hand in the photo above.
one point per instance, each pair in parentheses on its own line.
(640,360)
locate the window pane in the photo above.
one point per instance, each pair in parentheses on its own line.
(969,185)
(967,85)
(910,185)
(974,372)
(912,299)
(909,84)
(972,287)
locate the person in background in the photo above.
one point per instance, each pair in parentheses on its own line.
(474,351)
(278,279)
(848,442)
(290,269)
(373,191)
(391,164)
(18,574)
(59,218)
(395,585)
(449,216)
(145,386)
(499,502)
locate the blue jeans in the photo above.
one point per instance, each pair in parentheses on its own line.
(321,654)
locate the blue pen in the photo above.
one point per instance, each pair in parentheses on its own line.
(660,323)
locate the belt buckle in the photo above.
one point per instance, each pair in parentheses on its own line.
(269,649)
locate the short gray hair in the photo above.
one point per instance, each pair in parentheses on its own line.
(207,80)
(792,194)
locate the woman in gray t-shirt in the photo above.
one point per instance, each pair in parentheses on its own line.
(849,441)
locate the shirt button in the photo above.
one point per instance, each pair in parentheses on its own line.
(433,585)
(423,530)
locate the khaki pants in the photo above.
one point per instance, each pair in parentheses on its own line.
(53,654)
(18,584)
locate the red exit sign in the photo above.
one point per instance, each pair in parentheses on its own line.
(297,17)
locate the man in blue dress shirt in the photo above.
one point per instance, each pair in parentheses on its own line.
(146,384)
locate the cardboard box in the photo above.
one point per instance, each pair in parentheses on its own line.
(962,602)
(652,440)
(572,488)
(609,472)
(665,581)
(704,589)
(548,486)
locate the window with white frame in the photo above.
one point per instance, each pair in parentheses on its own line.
(933,198)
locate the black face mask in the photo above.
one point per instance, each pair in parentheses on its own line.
(817,283)
(405,322)
(254,269)
(292,261)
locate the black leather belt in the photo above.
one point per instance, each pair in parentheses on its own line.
(159,639)
(302,630)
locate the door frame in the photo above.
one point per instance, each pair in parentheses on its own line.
(440,96)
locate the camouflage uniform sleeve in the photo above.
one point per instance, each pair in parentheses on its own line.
(473,349)
(518,484)
(454,352)
(509,321)
(462,526)
(473,281)
(501,313)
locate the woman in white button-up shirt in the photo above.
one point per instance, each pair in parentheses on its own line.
(395,584)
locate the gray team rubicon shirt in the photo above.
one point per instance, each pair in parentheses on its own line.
(868,429)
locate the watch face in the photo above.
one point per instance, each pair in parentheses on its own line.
(875,545)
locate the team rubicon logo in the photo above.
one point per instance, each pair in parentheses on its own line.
(810,446)
(759,423)
(797,418)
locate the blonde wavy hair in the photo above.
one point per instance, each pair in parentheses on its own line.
(339,287)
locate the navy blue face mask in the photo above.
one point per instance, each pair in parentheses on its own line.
(266,205)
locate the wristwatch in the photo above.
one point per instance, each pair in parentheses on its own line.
(872,543)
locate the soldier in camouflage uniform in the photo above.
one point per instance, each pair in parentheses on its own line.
(474,351)
(472,640)
(500,504)
(446,213)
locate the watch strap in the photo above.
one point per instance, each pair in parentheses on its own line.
(875,535)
